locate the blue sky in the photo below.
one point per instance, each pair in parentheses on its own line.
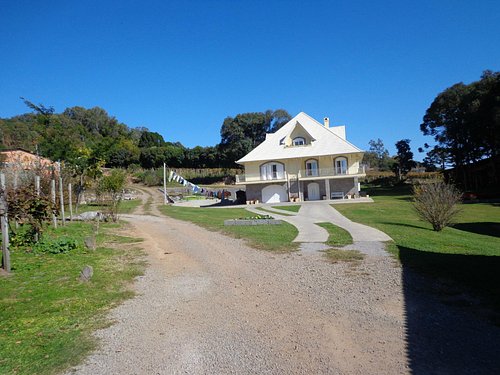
(181,67)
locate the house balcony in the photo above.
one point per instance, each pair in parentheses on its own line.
(258,178)
(303,174)
(310,174)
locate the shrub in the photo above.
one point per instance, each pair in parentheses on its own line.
(436,203)
(59,245)
(112,185)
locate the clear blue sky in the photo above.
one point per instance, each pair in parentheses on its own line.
(181,67)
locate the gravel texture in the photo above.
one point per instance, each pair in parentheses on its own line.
(209,304)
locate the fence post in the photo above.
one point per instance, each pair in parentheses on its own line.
(53,195)
(164,183)
(61,200)
(37,185)
(70,202)
(4,225)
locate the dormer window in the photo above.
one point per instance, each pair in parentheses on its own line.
(299,141)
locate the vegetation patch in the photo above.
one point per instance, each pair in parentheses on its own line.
(272,238)
(47,313)
(339,255)
(294,208)
(462,253)
(274,212)
(337,236)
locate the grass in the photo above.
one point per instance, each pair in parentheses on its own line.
(147,205)
(266,237)
(339,255)
(467,253)
(337,236)
(294,208)
(393,214)
(47,314)
(273,212)
(125,207)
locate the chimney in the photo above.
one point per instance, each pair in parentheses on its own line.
(326,122)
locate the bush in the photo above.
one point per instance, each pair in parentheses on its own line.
(60,245)
(436,203)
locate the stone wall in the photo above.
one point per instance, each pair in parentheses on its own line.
(345,185)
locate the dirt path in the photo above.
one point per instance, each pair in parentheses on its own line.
(209,304)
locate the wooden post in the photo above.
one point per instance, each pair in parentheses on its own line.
(37,185)
(164,183)
(70,202)
(61,200)
(4,225)
(53,195)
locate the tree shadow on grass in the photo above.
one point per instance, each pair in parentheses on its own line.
(452,312)
(486,228)
(406,225)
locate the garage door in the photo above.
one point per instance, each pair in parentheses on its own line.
(274,194)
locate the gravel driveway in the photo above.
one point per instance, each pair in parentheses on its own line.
(209,304)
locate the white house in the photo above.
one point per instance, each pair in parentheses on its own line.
(303,160)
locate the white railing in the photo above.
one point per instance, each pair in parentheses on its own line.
(303,173)
(259,177)
(328,172)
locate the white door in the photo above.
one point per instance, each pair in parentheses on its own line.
(313,191)
(274,194)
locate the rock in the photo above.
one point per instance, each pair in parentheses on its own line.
(89,216)
(86,273)
(90,242)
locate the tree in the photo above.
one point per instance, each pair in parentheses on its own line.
(43,112)
(151,139)
(152,157)
(404,159)
(241,134)
(464,120)
(123,153)
(377,156)
(113,185)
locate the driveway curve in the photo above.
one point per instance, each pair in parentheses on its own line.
(366,239)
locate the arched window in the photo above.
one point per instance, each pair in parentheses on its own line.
(272,171)
(298,141)
(341,165)
(312,167)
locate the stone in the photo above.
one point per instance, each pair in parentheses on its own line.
(252,222)
(86,273)
(90,242)
(89,216)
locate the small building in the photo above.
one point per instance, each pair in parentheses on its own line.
(303,160)
(18,161)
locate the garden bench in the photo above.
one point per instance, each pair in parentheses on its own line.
(337,194)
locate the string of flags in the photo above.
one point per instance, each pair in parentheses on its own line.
(181,180)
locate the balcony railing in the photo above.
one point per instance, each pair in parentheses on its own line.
(303,173)
(278,176)
(328,172)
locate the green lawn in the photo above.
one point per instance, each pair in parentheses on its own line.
(467,253)
(393,213)
(338,237)
(47,314)
(294,208)
(126,207)
(266,237)
(273,212)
